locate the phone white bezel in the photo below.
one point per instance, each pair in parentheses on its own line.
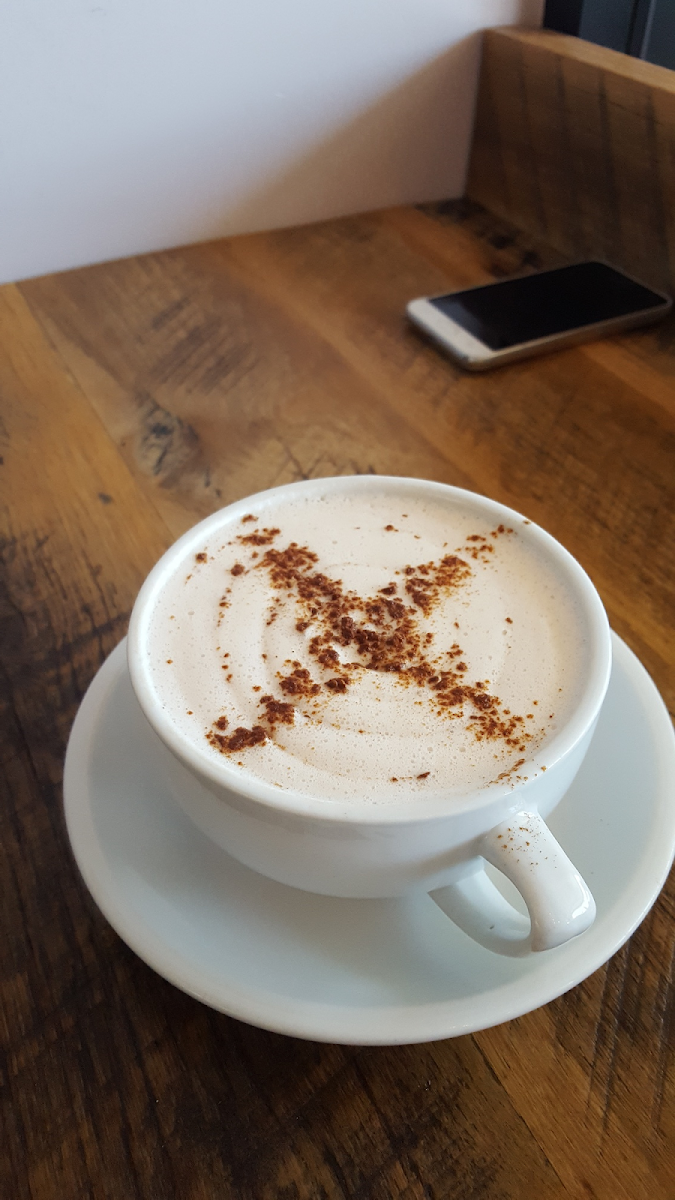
(475,355)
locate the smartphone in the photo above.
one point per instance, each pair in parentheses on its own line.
(483,327)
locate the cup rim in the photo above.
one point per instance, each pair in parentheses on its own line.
(218,772)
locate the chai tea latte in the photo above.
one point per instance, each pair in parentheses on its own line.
(361,646)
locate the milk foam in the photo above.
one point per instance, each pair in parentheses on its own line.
(216,649)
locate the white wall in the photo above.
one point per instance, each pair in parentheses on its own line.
(132,125)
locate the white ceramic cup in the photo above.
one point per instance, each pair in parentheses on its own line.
(439,846)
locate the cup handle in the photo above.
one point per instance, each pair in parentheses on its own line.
(558,901)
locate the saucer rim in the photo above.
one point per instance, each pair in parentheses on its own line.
(371,1024)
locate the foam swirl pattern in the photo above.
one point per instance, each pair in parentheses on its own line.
(225,641)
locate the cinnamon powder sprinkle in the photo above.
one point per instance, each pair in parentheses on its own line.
(241,739)
(337,685)
(351,633)
(299,683)
(277,712)
(258,539)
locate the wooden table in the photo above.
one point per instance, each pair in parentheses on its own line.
(139,396)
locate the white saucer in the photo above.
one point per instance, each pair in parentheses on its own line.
(355,971)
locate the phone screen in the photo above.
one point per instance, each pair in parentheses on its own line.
(521,310)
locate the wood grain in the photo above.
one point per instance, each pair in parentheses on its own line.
(335,383)
(138,396)
(576,144)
